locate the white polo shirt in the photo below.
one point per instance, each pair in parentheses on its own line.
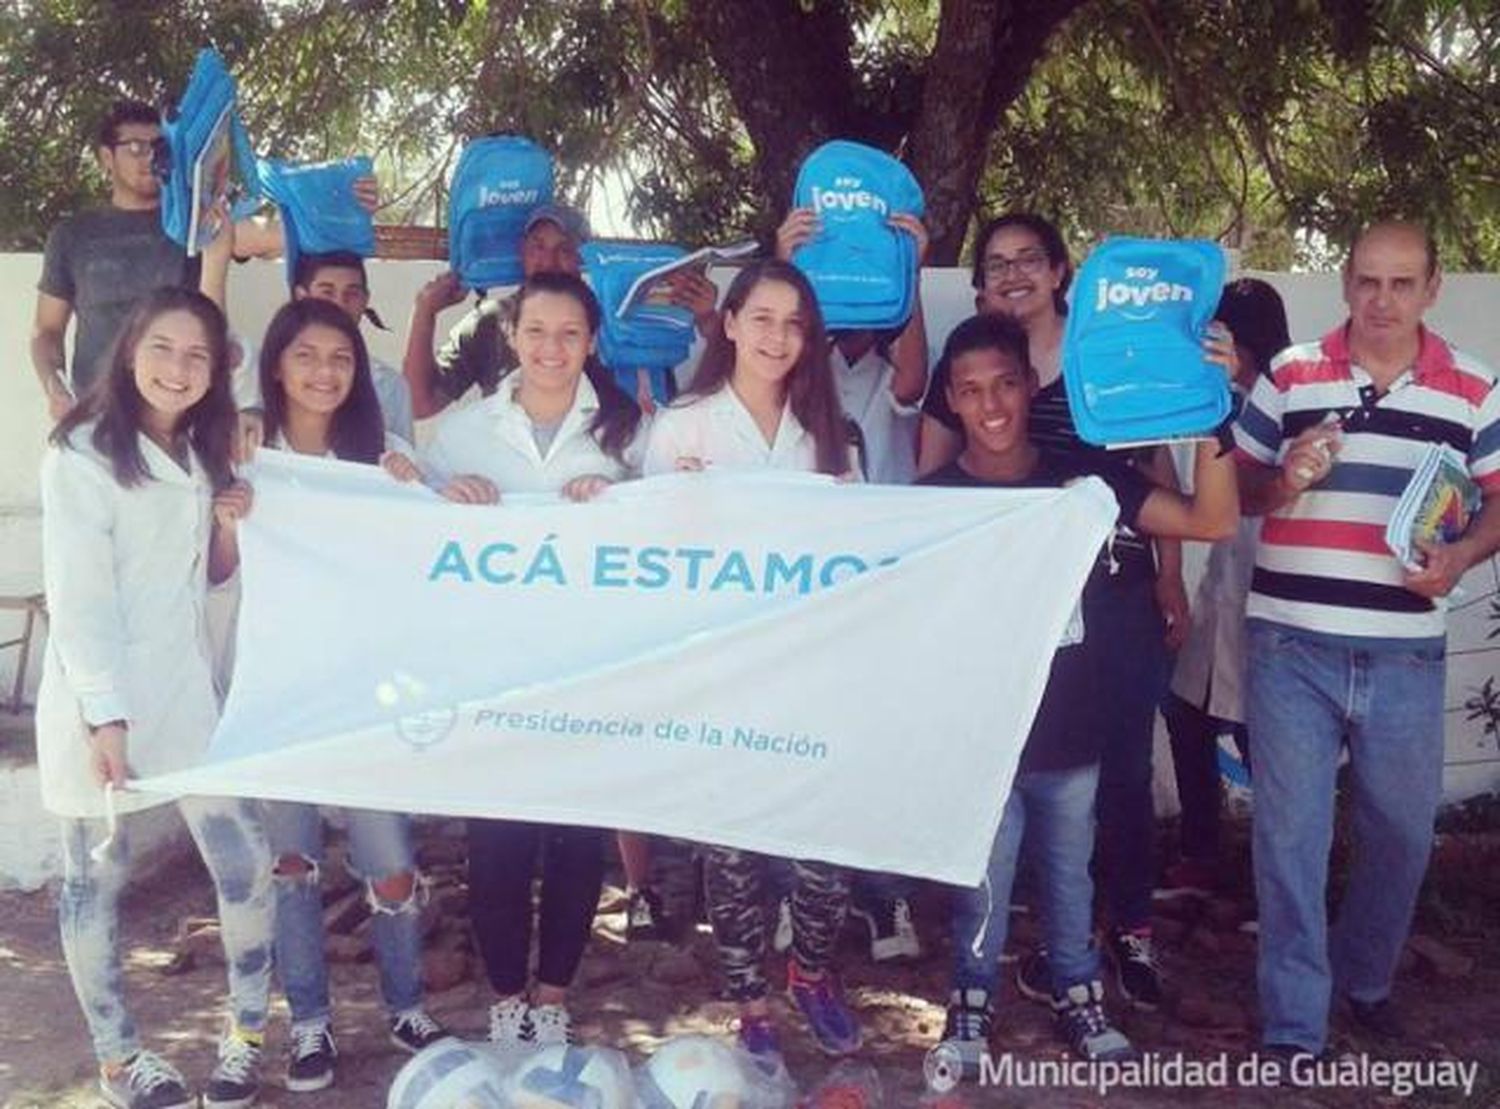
(719,431)
(495,439)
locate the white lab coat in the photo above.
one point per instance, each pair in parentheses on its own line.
(126,572)
(494,439)
(719,431)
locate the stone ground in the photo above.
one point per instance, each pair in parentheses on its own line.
(635,996)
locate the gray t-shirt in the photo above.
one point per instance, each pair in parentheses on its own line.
(101,262)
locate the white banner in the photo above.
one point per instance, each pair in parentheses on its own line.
(776,662)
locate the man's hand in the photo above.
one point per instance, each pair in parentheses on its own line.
(59,397)
(443,291)
(1310,457)
(691,289)
(367,194)
(1442,565)
(800,225)
(107,754)
(1176,613)
(903,221)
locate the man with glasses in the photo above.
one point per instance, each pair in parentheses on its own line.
(99,262)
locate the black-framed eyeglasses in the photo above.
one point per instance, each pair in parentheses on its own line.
(139,148)
(1028,262)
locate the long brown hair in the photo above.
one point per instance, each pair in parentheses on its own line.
(615,424)
(811,392)
(356,432)
(115,403)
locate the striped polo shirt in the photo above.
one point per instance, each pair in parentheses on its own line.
(1322,564)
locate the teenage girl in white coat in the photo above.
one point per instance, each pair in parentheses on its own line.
(559,424)
(764,397)
(320,399)
(137,476)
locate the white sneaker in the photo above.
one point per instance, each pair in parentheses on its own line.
(551,1024)
(892,934)
(781,941)
(510,1023)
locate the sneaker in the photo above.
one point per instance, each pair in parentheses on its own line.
(550,1024)
(781,939)
(235,1082)
(1034,977)
(1379,1018)
(145,1081)
(1187,878)
(646,918)
(413,1029)
(967,1028)
(510,1023)
(892,935)
(833,1025)
(312,1054)
(1081,1024)
(1136,969)
(758,1036)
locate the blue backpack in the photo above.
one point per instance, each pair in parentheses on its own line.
(1132,356)
(319,214)
(202,137)
(651,337)
(499,180)
(862,269)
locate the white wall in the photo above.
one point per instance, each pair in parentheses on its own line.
(1467,313)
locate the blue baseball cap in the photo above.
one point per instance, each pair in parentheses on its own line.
(570,220)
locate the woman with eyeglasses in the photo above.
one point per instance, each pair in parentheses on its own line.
(1022,270)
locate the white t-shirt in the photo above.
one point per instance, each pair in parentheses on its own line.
(719,431)
(495,439)
(888,426)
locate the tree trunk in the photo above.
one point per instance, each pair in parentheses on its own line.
(984,55)
(791,76)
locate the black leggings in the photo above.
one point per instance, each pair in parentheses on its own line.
(502,864)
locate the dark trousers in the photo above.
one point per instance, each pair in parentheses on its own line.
(1195,761)
(1135,677)
(503,858)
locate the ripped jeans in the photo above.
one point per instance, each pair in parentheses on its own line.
(231,840)
(379,848)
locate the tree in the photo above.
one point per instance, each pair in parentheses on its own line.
(1275,125)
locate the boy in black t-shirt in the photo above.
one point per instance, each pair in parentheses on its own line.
(990,383)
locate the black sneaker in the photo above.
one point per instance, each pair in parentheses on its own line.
(892,934)
(1034,977)
(1136,969)
(312,1054)
(646,919)
(1378,1018)
(146,1081)
(413,1029)
(967,1028)
(1081,1024)
(235,1082)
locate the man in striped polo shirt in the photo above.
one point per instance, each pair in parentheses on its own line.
(1346,644)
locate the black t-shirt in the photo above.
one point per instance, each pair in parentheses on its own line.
(101,262)
(1050,426)
(477,351)
(1069,731)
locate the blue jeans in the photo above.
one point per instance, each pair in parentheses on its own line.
(232,842)
(379,848)
(1307,694)
(1055,811)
